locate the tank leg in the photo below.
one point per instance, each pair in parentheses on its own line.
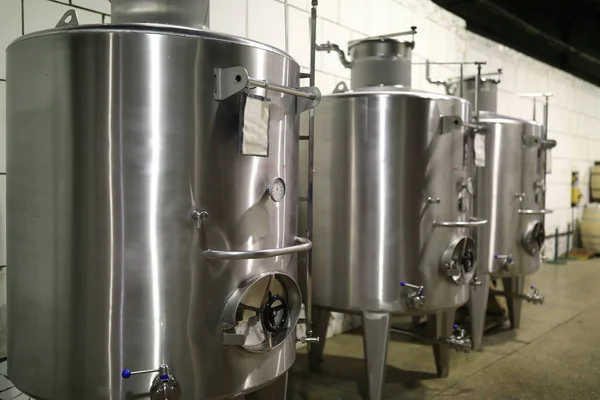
(276,390)
(477,309)
(315,350)
(514,286)
(441,326)
(376,328)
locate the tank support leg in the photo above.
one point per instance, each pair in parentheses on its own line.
(477,310)
(376,328)
(315,350)
(276,390)
(441,326)
(514,286)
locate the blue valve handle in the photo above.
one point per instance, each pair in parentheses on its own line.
(455,327)
(126,374)
(404,284)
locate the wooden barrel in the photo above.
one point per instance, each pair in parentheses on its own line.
(590,227)
(595,183)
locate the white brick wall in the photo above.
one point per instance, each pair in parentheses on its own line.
(574,120)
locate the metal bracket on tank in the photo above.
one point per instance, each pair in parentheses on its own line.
(232,80)
(450,122)
(341,87)
(531,141)
(68,19)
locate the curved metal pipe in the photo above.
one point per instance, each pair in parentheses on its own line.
(329,47)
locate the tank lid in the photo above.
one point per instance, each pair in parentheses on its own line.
(189,13)
(154,29)
(380,47)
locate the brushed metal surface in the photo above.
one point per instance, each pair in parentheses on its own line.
(114,138)
(511,168)
(379,154)
(188,13)
(380,62)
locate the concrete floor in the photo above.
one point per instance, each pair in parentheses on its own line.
(555,354)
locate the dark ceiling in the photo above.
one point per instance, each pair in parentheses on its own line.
(562,33)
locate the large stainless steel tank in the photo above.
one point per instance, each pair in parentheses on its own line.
(510,192)
(393,208)
(152,213)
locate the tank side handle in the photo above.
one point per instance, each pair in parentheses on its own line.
(229,81)
(300,245)
(535,212)
(473,223)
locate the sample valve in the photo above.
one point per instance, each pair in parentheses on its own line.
(164,386)
(458,341)
(534,297)
(505,259)
(415,298)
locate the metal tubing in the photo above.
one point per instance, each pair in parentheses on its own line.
(476,95)
(332,47)
(460,224)
(281,89)
(302,244)
(286,25)
(535,212)
(311,155)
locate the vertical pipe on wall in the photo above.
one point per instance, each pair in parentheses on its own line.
(286,18)
(311,152)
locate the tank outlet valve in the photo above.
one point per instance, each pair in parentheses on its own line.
(475,281)
(534,296)
(504,259)
(309,340)
(458,341)
(415,295)
(164,386)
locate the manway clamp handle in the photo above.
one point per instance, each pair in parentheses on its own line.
(472,223)
(300,245)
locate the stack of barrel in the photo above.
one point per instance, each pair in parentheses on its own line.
(590,223)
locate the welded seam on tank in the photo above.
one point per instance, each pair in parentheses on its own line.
(382,193)
(155,128)
(111,267)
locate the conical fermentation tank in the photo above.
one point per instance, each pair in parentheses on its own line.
(152,202)
(393,212)
(510,192)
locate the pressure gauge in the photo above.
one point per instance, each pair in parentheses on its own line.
(277,189)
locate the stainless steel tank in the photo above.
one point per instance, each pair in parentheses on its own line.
(510,193)
(393,212)
(152,212)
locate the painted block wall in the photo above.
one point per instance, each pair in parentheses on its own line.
(574,117)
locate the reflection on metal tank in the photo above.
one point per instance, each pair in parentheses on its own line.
(393,207)
(509,196)
(150,230)
(389,171)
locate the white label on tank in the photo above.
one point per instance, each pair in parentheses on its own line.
(479,150)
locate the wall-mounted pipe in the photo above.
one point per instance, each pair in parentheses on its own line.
(186,13)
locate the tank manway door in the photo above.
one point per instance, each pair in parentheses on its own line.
(534,237)
(458,261)
(262,312)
